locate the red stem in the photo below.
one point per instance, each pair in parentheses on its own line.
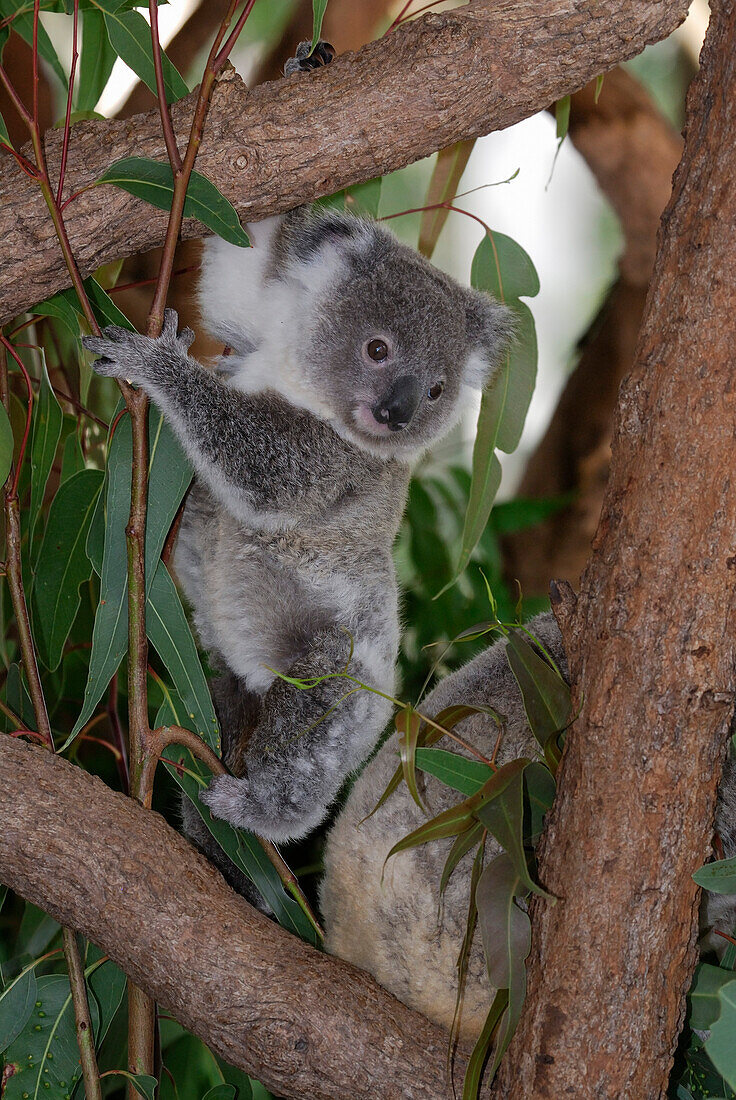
(67,119)
(399,17)
(225,51)
(169,137)
(36,11)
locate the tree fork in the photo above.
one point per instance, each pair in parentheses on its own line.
(651,641)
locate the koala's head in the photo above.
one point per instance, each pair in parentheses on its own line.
(383,343)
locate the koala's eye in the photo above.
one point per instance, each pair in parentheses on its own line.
(435,391)
(377,350)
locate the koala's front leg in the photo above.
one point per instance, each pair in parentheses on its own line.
(305,744)
(242,446)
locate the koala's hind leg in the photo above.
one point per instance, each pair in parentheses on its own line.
(307,740)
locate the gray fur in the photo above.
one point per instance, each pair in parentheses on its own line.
(285,546)
(399,931)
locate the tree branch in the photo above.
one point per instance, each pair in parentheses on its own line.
(652,647)
(433,81)
(302,1022)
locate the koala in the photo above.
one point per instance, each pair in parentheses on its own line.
(399,930)
(351,355)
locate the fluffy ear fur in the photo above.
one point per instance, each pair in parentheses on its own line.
(490,328)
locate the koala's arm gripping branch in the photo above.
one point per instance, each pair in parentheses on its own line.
(249,449)
(302,1022)
(431,82)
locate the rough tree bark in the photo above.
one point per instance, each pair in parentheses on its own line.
(652,642)
(632,151)
(432,82)
(302,1022)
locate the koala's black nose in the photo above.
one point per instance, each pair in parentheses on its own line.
(397,407)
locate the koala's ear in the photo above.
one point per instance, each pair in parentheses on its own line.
(309,233)
(489,327)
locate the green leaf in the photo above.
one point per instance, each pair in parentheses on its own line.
(60,309)
(511,391)
(106,983)
(238,1079)
(143,1083)
(23,25)
(721,1046)
(18,697)
(96,60)
(545,694)
(16,1006)
(466,776)
(462,845)
(6,445)
(598,86)
(45,1052)
(704,1003)
(153,181)
(505,928)
(62,564)
(562,117)
(449,167)
(502,813)
(4,135)
(221,1092)
(318,14)
(502,267)
(362,199)
(130,37)
(172,639)
(47,421)
(408,724)
(72,461)
(241,847)
(169,477)
(479,1055)
(719,877)
(521,513)
(539,794)
(103,307)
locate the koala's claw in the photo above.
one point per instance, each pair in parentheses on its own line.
(305,61)
(126,354)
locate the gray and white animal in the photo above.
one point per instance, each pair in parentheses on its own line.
(399,930)
(351,355)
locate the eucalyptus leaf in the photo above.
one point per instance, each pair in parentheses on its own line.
(466,776)
(545,694)
(62,564)
(153,181)
(446,174)
(130,37)
(60,309)
(705,1007)
(318,13)
(463,844)
(23,25)
(169,632)
(502,813)
(720,1045)
(18,697)
(362,199)
(221,1092)
(719,877)
(503,268)
(45,1052)
(481,1050)
(46,432)
(16,1006)
(96,60)
(408,725)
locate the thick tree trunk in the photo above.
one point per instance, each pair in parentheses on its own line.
(632,151)
(433,81)
(305,1024)
(652,643)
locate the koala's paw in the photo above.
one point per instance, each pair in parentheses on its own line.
(305,61)
(126,354)
(263,806)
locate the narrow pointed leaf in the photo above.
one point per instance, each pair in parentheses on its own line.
(539,794)
(47,421)
(562,117)
(545,694)
(318,14)
(153,181)
(60,309)
(446,175)
(466,776)
(408,725)
(719,877)
(96,60)
(221,1092)
(463,844)
(62,564)
(502,267)
(172,639)
(23,25)
(502,813)
(481,1050)
(130,37)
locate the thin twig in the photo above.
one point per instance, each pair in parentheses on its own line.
(67,119)
(169,136)
(82,1018)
